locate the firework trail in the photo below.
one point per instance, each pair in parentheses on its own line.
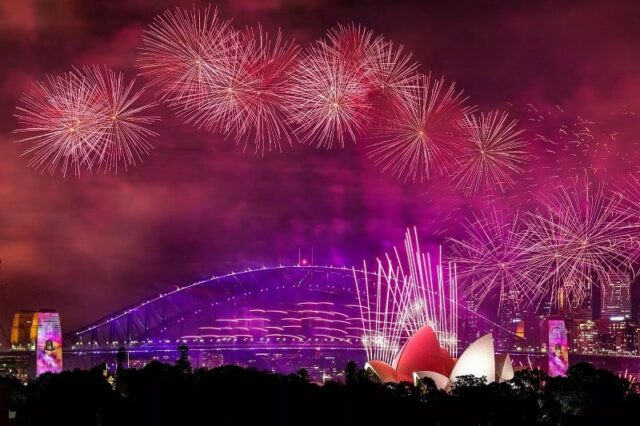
(569,144)
(577,241)
(415,142)
(410,290)
(488,153)
(492,263)
(87,119)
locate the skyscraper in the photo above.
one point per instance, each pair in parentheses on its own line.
(616,297)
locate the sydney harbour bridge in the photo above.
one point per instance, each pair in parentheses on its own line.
(271,311)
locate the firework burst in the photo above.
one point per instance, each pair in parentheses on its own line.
(221,79)
(416,141)
(329,101)
(353,45)
(390,71)
(489,152)
(408,293)
(246,99)
(491,261)
(578,241)
(87,119)
(125,129)
(262,114)
(183,50)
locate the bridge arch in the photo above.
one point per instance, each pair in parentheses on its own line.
(294,305)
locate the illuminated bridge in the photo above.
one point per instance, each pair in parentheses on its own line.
(280,318)
(263,317)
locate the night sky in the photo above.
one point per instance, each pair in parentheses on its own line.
(199,205)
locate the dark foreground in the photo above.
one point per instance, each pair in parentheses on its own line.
(162,394)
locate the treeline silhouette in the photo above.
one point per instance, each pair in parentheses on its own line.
(164,394)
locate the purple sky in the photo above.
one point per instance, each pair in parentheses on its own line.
(200,206)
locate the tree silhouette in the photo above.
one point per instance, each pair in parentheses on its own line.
(164,394)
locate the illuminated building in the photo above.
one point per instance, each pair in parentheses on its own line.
(616,297)
(469,327)
(509,317)
(556,344)
(24,330)
(528,330)
(48,342)
(211,360)
(17,364)
(584,336)
(36,345)
(631,336)
(617,335)
(422,356)
(587,310)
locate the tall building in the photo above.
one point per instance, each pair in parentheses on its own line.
(631,336)
(24,331)
(554,335)
(38,334)
(585,311)
(635,298)
(584,336)
(617,335)
(48,342)
(469,329)
(616,297)
(528,330)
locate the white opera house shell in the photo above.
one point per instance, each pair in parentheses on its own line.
(422,356)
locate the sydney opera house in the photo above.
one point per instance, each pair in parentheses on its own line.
(422,356)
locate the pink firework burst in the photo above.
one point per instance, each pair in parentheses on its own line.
(391,71)
(125,129)
(386,69)
(85,119)
(271,64)
(329,101)
(489,152)
(183,50)
(247,99)
(220,79)
(491,262)
(415,142)
(579,240)
(353,45)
